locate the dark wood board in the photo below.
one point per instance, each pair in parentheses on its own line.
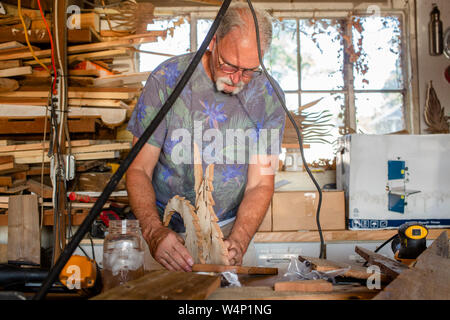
(164,285)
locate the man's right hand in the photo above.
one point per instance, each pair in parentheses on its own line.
(167,247)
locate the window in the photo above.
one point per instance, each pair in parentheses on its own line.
(351,66)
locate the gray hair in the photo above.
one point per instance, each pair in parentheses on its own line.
(235,18)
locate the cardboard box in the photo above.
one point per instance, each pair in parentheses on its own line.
(266,224)
(393,179)
(296,210)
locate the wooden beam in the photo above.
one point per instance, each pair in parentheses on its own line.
(12,72)
(8,85)
(8,64)
(391,267)
(23,230)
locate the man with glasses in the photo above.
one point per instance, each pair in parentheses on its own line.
(227,96)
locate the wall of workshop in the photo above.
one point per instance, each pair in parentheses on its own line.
(431,67)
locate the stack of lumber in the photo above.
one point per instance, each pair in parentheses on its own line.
(102,79)
(24,166)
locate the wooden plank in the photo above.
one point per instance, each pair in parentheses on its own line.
(8,64)
(125,78)
(335,235)
(15,71)
(325,265)
(8,85)
(341,292)
(77,93)
(15,168)
(164,285)
(6,181)
(85,56)
(304,286)
(41,36)
(17,125)
(23,230)
(236,269)
(39,146)
(11,45)
(428,279)
(91,47)
(6,159)
(42,190)
(391,267)
(75,150)
(80,156)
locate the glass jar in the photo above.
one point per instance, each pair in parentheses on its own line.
(123,253)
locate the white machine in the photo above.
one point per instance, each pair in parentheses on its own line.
(392,179)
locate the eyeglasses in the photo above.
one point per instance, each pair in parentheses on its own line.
(230,68)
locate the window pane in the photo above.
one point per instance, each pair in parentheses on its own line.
(291,101)
(203,26)
(177,44)
(281,60)
(379,113)
(326,116)
(380,44)
(321,51)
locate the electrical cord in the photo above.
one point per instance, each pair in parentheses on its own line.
(25,32)
(51,46)
(299,136)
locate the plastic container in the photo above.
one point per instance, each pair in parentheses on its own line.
(123,253)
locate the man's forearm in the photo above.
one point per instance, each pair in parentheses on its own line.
(250,214)
(143,201)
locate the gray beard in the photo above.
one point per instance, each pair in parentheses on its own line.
(221,81)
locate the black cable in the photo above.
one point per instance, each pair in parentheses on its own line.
(95,210)
(299,136)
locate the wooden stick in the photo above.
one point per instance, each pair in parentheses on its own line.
(236,269)
(388,266)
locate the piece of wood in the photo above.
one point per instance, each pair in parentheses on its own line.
(335,235)
(39,36)
(3,253)
(235,269)
(86,56)
(39,146)
(8,64)
(325,265)
(42,190)
(125,79)
(428,279)
(23,230)
(91,47)
(110,116)
(164,285)
(6,181)
(12,72)
(97,181)
(6,159)
(8,85)
(79,156)
(11,45)
(13,168)
(304,286)
(340,292)
(77,93)
(389,266)
(17,125)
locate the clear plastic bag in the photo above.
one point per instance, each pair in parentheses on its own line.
(230,279)
(298,270)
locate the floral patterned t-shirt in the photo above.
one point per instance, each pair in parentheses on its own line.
(227,129)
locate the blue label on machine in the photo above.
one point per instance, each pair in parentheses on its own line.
(396,169)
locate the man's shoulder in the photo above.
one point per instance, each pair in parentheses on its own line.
(173,64)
